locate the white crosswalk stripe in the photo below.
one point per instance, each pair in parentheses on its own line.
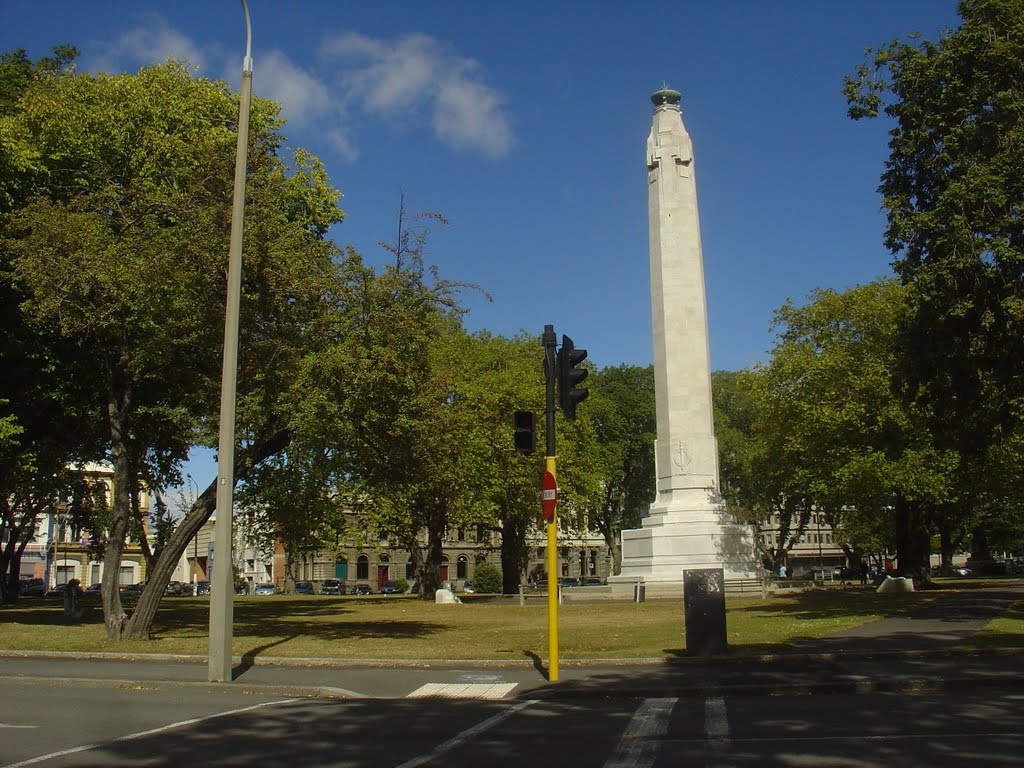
(462,691)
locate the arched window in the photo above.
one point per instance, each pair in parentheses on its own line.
(462,567)
(363,567)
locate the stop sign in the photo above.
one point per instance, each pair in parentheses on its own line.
(548,496)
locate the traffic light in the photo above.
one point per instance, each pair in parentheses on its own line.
(525,424)
(569,376)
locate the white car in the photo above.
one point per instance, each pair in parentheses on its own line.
(265,589)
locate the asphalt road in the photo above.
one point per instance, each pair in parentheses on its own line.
(148,725)
(896,692)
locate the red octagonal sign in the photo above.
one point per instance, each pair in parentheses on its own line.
(549,496)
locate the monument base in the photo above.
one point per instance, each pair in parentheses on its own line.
(686,530)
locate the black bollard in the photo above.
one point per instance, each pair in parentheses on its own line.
(704,602)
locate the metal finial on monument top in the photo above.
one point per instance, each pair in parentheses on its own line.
(665,95)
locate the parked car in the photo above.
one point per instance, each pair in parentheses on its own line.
(961,570)
(57,591)
(202,587)
(468,587)
(133,590)
(570,581)
(265,589)
(332,587)
(362,589)
(32,587)
(304,588)
(593,581)
(390,588)
(178,588)
(95,589)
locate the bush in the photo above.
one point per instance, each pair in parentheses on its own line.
(403,586)
(487,579)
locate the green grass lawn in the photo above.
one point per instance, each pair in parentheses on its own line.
(406,628)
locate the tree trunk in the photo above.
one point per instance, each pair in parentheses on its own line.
(138,627)
(912,540)
(979,544)
(430,578)
(119,398)
(513,548)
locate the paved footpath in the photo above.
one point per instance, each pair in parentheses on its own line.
(916,650)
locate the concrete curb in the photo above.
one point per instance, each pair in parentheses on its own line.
(765,658)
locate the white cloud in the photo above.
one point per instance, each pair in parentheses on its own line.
(343,145)
(152,42)
(412,81)
(305,98)
(416,73)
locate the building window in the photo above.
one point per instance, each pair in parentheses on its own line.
(363,567)
(125,575)
(462,567)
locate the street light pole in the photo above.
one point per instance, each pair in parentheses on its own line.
(221,580)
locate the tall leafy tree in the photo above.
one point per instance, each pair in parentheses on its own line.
(857,446)
(622,410)
(122,251)
(953,193)
(43,387)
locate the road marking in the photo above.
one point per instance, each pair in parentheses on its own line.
(461,738)
(638,746)
(143,734)
(716,725)
(6,725)
(462,691)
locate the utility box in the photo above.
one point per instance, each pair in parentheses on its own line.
(704,601)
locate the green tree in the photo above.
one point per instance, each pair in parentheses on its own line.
(622,411)
(122,252)
(953,191)
(852,444)
(487,579)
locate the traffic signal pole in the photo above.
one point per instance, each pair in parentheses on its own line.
(550,341)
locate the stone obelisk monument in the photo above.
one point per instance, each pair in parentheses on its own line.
(687,526)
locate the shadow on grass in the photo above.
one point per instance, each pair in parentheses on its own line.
(184,618)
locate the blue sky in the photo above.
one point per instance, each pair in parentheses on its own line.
(525,124)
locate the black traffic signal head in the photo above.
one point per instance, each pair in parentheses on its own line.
(569,376)
(525,424)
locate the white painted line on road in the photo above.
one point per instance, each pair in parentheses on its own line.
(143,734)
(6,725)
(638,746)
(466,735)
(462,691)
(716,726)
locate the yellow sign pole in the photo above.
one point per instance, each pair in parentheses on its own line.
(553,580)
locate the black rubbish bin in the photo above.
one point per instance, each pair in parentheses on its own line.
(704,602)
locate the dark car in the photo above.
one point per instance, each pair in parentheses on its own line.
(202,587)
(390,588)
(57,591)
(362,589)
(468,587)
(570,581)
(31,587)
(332,587)
(95,589)
(304,588)
(133,590)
